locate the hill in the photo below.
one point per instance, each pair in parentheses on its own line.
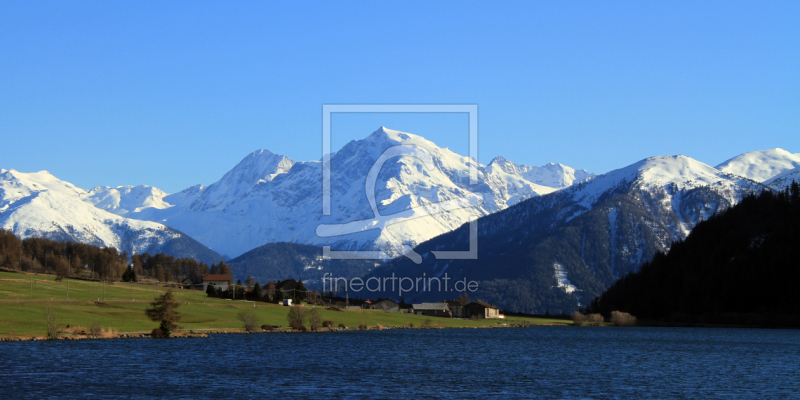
(279,261)
(738,267)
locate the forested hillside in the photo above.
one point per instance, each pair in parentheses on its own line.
(738,267)
(279,261)
(70,259)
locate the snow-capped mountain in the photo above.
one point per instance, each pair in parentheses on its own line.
(558,251)
(40,205)
(761,165)
(268,198)
(258,167)
(553,175)
(784,179)
(124,200)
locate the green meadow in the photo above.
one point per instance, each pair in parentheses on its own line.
(120,306)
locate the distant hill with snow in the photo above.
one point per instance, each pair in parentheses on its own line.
(761,165)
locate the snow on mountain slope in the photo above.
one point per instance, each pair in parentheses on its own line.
(761,165)
(126,199)
(553,175)
(268,198)
(784,179)
(258,167)
(593,232)
(665,180)
(40,205)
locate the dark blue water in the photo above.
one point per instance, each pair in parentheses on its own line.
(536,362)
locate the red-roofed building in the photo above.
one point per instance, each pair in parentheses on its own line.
(218,281)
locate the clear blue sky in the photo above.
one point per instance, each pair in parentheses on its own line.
(172,94)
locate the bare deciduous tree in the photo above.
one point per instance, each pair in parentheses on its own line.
(595,319)
(51,319)
(314,319)
(250,320)
(578,318)
(96,330)
(619,318)
(296,316)
(463,299)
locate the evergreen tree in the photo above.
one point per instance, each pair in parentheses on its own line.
(300,293)
(256,292)
(166,328)
(165,309)
(129,275)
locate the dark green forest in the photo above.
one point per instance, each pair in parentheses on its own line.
(739,267)
(78,260)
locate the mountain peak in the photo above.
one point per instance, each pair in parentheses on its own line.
(761,165)
(674,168)
(392,135)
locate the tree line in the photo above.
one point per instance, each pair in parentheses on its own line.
(738,267)
(68,259)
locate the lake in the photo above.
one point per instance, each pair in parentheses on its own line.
(535,362)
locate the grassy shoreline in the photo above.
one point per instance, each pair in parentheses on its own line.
(120,307)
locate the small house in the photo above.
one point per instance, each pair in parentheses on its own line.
(216,280)
(192,282)
(432,309)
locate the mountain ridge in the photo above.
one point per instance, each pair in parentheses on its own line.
(279,200)
(556,252)
(38,204)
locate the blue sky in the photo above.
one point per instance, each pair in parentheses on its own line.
(173,94)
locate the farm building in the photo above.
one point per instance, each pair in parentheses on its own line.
(432,309)
(481,310)
(387,305)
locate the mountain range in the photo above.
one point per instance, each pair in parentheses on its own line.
(555,253)
(40,205)
(550,237)
(268,198)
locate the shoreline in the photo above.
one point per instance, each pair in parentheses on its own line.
(193,333)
